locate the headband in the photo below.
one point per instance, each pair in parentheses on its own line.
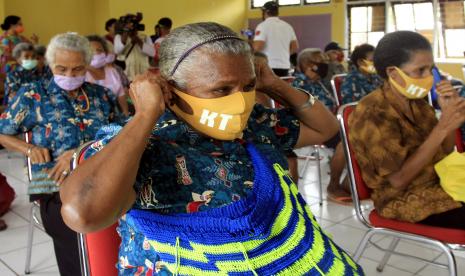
(209,40)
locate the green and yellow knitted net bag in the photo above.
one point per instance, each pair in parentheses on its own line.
(270,232)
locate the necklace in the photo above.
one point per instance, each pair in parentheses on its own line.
(87,106)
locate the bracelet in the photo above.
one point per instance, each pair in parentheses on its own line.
(29,150)
(309,103)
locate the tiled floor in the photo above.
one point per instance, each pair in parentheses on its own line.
(339,221)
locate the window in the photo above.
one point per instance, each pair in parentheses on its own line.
(453,27)
(416,17)
(367,24)
(288,2)
(260,3)
(316,1)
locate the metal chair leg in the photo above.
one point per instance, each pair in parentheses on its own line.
(387,255)
(318,167)
(83,255)
(362,245)
(304,169)
(451,263)
(27,269)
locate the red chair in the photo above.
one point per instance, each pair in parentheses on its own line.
(444,239)
(460,143)
(98,251)
(336,82)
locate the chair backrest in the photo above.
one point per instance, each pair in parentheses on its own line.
(336,83)
(459,142)
(98,250)
(359,189)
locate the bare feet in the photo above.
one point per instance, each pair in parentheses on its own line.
(2,225)
(338,194)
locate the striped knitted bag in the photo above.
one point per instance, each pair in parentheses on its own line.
(270,232)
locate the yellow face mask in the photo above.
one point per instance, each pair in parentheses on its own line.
(414,88)
(223,118)
(368,67)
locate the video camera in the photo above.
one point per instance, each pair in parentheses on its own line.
(129,23)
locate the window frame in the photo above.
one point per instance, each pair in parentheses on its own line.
(302,3)
(438,43)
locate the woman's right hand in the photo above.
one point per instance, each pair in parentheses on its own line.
(149,93)
(453,114)
(38,155)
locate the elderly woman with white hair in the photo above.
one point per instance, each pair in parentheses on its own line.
(26,70)
(204,188)
(61,115)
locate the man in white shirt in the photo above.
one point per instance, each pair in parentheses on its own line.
(275,38)
(134,49)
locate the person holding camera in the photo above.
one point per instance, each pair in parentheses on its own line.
(131,47)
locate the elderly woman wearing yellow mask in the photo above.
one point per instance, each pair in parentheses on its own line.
(362,78)
(198,177)
(397,139)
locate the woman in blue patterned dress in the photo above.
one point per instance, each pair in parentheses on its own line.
(183,154)
(61,115)
(362,78)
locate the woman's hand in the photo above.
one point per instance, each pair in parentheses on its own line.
(445,92)
(61,169)
(266,79)
(453,113)
(149,95)
(35,39)
(38,154)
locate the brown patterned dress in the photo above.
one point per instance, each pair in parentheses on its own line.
(382,138)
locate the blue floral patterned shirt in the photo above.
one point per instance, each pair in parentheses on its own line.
(57,122)
(320,89)
(357,85)
(182,171)
(20,76)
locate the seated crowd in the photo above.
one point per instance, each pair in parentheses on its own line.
(182,155)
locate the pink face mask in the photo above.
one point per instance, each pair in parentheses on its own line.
(110,58)
(69,83)
(99,60)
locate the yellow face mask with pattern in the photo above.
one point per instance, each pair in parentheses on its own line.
(223,118)
(414,88)
(368,67)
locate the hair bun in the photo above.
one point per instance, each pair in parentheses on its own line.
(3,27)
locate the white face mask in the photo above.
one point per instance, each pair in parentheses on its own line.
(29,64)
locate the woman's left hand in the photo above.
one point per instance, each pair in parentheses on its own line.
(266,79)
(61,169)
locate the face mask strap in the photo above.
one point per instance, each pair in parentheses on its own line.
(213,39)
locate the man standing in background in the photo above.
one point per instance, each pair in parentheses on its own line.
(276,39)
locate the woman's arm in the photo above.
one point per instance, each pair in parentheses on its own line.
(318,124)
(100,190)
(452,117)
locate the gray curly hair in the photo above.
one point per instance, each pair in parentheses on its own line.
(176,58)
(68,41)
(22,47)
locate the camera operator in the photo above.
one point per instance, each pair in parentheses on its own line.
(131,47)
